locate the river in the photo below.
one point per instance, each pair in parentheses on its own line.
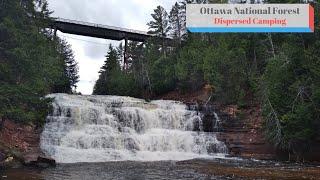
(191,169)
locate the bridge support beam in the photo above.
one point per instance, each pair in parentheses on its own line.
(55,32)
(125,56)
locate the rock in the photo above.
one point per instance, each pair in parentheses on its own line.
(2,157)
(46,160)
(39,161)
(30,158)
(8,160)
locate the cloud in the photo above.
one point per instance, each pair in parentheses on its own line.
(90,52)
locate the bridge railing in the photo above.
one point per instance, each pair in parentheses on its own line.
(101,26)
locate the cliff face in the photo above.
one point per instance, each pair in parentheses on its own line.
(243,133)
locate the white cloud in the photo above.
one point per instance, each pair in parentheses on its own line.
(90,52)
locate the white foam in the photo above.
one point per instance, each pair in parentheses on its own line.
(113,128)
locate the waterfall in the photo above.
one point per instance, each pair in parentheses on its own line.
(217,122)
(113,128)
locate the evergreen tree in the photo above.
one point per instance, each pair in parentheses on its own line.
(159,26)
(177,22)
(31,65)
(111,66)
(113,81)
(71,67)
(189,67)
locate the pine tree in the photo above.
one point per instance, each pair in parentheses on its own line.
(111,66)
(177,22)
(160,25)
(113,81)
(71,66)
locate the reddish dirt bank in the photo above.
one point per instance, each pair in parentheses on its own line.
(244,135)
(20,144)
(201,96)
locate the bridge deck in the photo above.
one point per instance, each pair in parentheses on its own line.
(98,30)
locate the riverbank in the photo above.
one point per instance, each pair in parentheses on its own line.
(20,145)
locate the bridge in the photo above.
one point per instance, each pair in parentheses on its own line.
(98,30)
(101,31)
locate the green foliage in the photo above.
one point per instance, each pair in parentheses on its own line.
(70,77)
(291,92)
(31,64)
(113,81)
(232,68)
(21,104)
(162,75)
(177,19)
(190,65)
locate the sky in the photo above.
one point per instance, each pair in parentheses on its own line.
(90,52)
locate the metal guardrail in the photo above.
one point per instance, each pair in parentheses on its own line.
(102,26)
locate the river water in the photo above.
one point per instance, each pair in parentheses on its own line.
(191,169)
(112,137)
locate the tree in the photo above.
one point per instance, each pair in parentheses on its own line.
(160,25)
(189,67)
(71,66)
(31,64)
(177,22)
(113,81)
(111,66)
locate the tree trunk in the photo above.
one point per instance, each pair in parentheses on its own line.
(272,45)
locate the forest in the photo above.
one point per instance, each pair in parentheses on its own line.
(280,72)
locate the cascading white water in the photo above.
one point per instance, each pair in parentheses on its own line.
(217,123)
(113,128)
